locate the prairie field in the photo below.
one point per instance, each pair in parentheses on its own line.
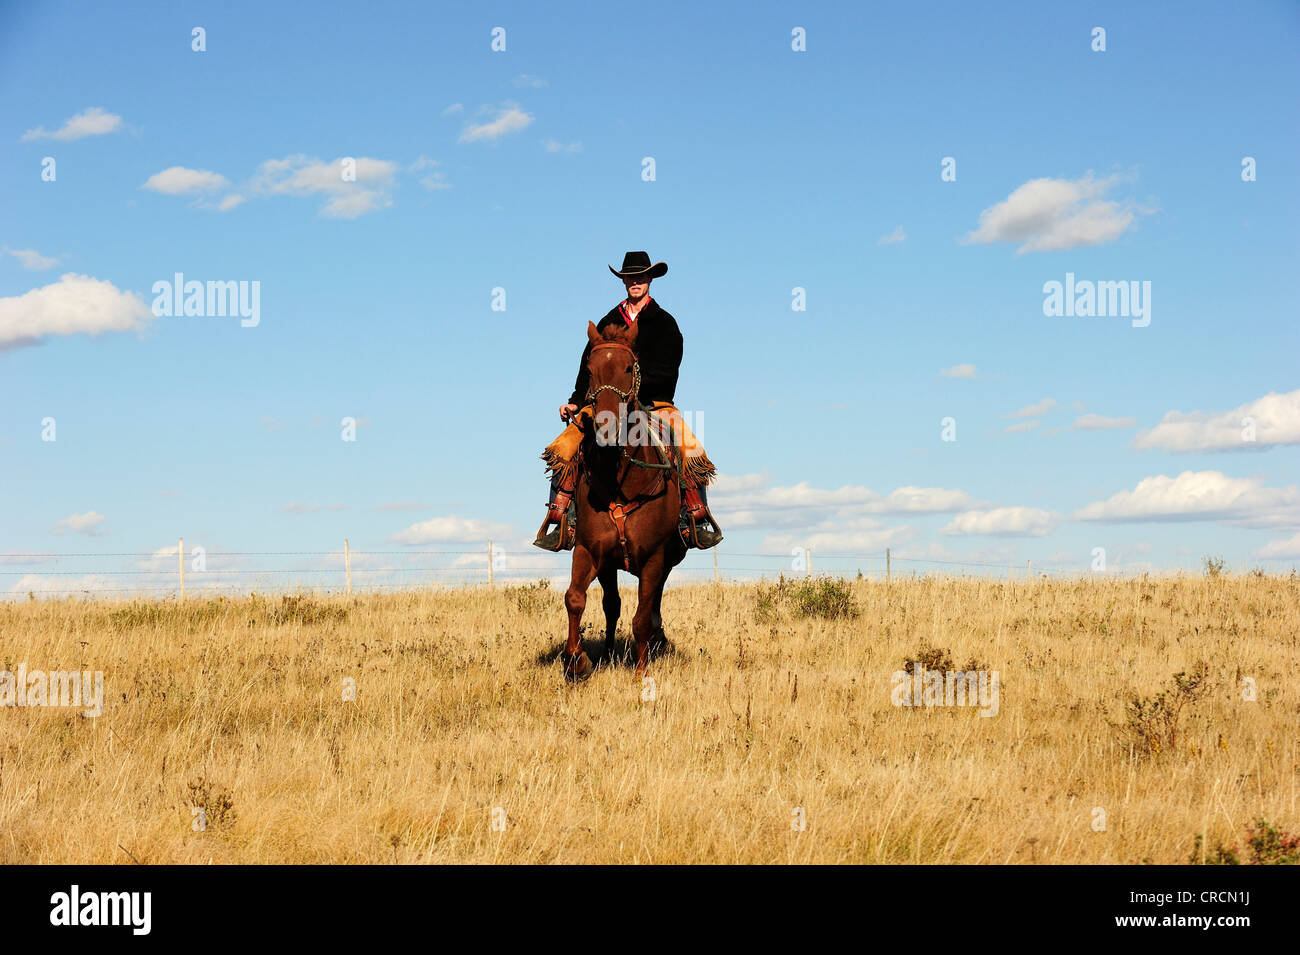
(1133,715)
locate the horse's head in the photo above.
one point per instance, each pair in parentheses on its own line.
(615,375)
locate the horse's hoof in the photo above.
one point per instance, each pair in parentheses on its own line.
(579,668)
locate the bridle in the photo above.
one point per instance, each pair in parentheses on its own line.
(631,397)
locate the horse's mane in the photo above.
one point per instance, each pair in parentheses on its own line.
(614,332)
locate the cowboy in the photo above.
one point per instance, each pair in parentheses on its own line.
(659,355)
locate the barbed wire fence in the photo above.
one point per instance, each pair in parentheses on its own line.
(174,572)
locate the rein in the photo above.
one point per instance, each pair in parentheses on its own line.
(633,397)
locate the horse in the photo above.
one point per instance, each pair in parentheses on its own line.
(628,499)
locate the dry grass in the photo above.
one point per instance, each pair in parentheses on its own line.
(237,705)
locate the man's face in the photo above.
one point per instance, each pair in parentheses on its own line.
(636,287)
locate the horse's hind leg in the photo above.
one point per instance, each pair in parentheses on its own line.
(658,639)
(609,599)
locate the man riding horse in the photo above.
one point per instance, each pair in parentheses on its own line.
(659,356)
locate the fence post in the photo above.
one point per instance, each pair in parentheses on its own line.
(347,563)
(887,568)
(180,556)
(1029,570)
(807,567)
(715,566)
(490,582)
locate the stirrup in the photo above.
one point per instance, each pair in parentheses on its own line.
(699,537)
(561,538)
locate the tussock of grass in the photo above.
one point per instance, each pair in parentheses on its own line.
(774,697)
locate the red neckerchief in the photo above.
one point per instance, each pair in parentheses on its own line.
(622,308)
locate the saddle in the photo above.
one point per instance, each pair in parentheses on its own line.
(669,432)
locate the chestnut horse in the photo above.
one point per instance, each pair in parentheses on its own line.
(628,499)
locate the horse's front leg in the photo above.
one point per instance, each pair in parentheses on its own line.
(577,665)
(612,604)
(652,577)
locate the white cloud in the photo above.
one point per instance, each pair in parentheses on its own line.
(451,528)
(1200,496)
(840,519)
(523,79)
(1004,522)
(89,122)
(1096,422)
(1022,426)
(349,189)
(435,179)
(921,500)
(861,535)
(164,558)
(509,119)
(354,204)
(91,524)
(554,146)
(32,260)
(27,556)
(179,181)
(1046,214)
(58,586)
(1035,410)
(898,235)
(1280,549)
(453,108)
(368,189)
(747,500)
(958,371)
(1276,419)
(75,304)
(293,507)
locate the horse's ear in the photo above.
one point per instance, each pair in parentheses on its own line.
(592,334)
(632,333)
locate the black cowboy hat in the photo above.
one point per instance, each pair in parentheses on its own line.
(637,265)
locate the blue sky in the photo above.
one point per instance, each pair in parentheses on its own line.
(522,169)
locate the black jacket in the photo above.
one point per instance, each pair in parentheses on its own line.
(658,350)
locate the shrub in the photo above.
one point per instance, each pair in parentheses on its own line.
(931,658)
(152,613)
(1268,845)
(827,597)
(1154,722)
(301,608)
(218,807)
(532,598)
